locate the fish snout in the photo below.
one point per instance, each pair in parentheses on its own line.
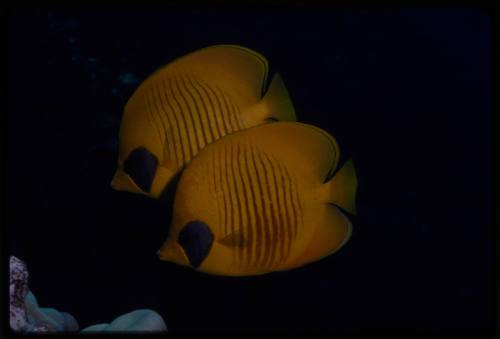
(118,181)
(171,251)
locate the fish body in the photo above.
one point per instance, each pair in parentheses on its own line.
(269,198)
(188,104)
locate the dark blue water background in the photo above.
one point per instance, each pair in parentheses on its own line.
(405,92)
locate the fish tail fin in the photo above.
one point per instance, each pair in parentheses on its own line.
(341,189)
(278,105)
(330,236)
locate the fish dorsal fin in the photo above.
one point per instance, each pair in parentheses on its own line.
(233,239)
(234,69)
(309,149)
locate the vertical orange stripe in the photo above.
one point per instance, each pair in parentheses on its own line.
(225,194)
(153,109)
(159,113)
(196,114)
(271,218)
(232,194)
(256,222)
(162,116)
(279,206)
(288,194)
(184,140)
(194,142)
(224,127)
(263,236)
(208,116)
(219,195)
(247,206)
(297,206)
(213,175)
(176,138)
(150,116)
(300,226)
(240,212)
(214,190)
(212,113)
(190,140)
(228,114)
(238,115)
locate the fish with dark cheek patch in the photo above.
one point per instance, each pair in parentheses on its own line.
(268,198)
(188,104)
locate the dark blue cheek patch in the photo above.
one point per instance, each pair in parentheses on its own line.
(141,167)
(196,240)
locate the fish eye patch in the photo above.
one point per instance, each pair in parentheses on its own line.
(141,167)
(196,240)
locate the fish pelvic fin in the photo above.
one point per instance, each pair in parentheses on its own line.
(341,189)
(233,239)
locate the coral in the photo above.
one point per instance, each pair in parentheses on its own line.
(27,316)
(55,320)
(138,320)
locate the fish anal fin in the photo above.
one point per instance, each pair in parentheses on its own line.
(328,237)
(233,239)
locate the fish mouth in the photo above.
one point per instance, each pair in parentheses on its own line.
(115,182)
(121,181)
(160,254)
(173,252)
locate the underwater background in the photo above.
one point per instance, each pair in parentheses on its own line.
(406,93)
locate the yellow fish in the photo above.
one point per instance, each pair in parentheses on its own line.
(261,200)
(188,104)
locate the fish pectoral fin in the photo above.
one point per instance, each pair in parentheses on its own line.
(233,239)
